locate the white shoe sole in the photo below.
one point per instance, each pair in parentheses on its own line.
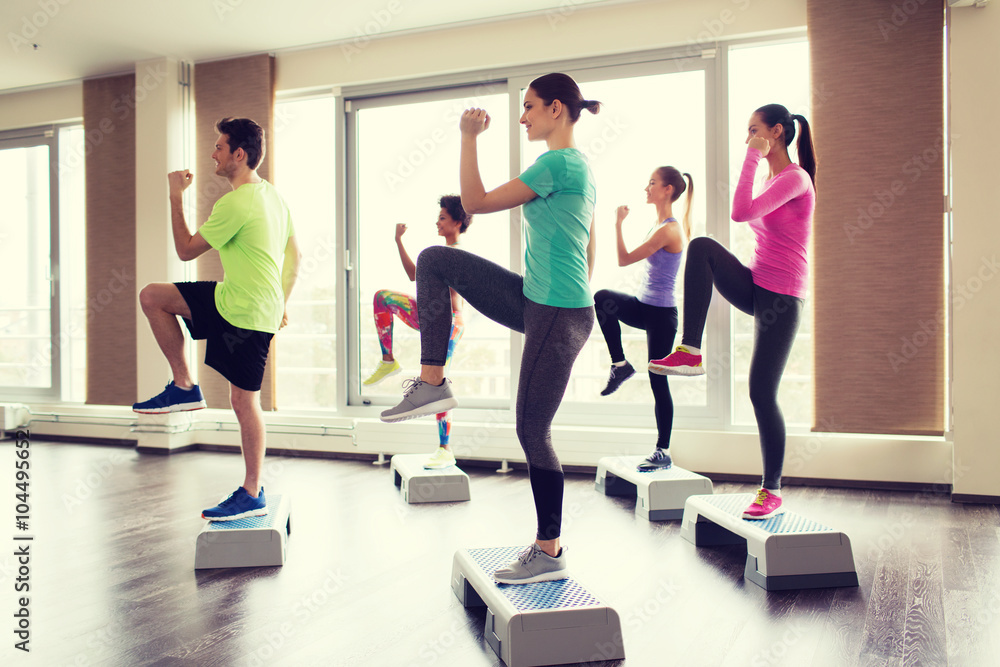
(676,370)
(440,466)
(780,510)
(261,512)
(444,405)
(556,575)
(180,407)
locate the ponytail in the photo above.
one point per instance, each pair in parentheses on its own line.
(687,211)
(804,146)
(562,87)
(773,114)
(671,176)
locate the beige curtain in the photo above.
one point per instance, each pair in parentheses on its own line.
(109,126)
(879,243)
(244,88)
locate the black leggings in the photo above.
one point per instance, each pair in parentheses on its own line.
(553,338)
(776,319)
(660,325)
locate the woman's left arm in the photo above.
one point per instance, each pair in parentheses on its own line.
(782,190)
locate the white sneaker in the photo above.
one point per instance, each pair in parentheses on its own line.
(442,458)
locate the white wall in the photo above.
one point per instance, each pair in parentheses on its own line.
(975,99)
(570,33)
(41,107)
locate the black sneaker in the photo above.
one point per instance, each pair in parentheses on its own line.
(658,460)
(617,378)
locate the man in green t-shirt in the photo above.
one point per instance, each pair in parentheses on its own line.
(252,230)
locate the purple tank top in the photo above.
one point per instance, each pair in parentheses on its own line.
(661,275)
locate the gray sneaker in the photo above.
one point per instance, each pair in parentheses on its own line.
(658,460)
(421,399)
(533,565)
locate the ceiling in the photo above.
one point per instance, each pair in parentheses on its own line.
(49,41)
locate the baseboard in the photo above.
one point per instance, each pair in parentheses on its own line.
(975,498)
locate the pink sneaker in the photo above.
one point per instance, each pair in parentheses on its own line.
(678,362)
(764,506)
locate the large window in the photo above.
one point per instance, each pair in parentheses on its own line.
(304,173)
(43,303)
(406,157)
(647,121)
(748,91)
(402,153)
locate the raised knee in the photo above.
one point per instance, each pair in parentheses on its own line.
(148,297)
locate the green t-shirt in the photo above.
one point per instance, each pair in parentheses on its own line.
(250,228)
(557,229)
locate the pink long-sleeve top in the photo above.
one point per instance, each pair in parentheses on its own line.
(781,219)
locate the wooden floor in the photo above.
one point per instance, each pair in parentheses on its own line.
(367,576)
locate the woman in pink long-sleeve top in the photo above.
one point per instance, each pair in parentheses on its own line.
(772,288)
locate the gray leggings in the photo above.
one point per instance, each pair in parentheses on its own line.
(553,337)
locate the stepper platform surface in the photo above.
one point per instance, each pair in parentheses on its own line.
(659,495)
(545,623)
(419,485)
(785,552)
(258,541)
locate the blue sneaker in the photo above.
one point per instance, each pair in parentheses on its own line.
(238,505)
(172,399)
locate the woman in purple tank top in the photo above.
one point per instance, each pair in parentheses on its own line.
(654,309)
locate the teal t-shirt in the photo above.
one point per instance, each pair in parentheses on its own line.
(250,228)
(557,229)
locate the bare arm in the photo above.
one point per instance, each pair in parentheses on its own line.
(404,257)
(665,237)
(289,273)
(475,198)
(188,246)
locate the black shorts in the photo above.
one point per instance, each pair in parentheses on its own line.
(238,354)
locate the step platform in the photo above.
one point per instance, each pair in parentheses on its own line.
(659,495)
(785,552)
(545,623)
(419,485)
(257,541)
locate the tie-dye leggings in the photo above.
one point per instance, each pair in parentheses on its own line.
(388,304)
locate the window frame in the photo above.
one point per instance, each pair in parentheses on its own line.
(45,135)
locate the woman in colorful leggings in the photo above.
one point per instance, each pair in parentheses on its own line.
(772,288)
(452,221)
(654,310)
(551,304)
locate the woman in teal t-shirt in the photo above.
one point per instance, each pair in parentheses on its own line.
(551,304)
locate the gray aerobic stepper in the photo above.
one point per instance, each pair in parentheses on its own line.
(785,552)
(545,623)
(659,495)
(258,541)
(419,485)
